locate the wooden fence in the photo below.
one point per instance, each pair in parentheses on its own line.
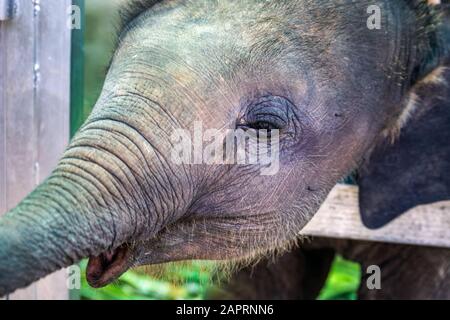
(34,109)
(339,218)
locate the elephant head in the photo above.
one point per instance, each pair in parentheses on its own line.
(311,74)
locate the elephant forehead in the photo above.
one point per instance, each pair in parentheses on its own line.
(227,37)
(232,27)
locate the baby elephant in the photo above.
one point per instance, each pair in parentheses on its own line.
(324,87)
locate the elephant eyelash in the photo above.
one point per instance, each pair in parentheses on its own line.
(260,125)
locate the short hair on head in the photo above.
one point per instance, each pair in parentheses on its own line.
(132,9)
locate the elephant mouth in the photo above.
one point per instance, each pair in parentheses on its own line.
(108,266)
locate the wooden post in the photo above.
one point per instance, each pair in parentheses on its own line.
(34,109)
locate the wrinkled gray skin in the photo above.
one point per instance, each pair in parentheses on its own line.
(117,197)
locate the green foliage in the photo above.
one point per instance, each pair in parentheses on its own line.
(342,284)
(137,286)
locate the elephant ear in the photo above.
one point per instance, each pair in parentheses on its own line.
(415,168)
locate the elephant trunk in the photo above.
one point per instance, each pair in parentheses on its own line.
(54,227)
(105,193)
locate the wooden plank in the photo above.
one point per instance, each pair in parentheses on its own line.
(3,195)
(52,107)
(34,110)
(18,126)
(2,130)
(339,217)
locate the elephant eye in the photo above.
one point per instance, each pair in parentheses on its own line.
(264,125)
(267,113)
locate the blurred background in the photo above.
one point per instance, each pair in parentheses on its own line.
(194,282)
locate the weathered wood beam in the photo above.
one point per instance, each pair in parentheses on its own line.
(339,218)
(34,110)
